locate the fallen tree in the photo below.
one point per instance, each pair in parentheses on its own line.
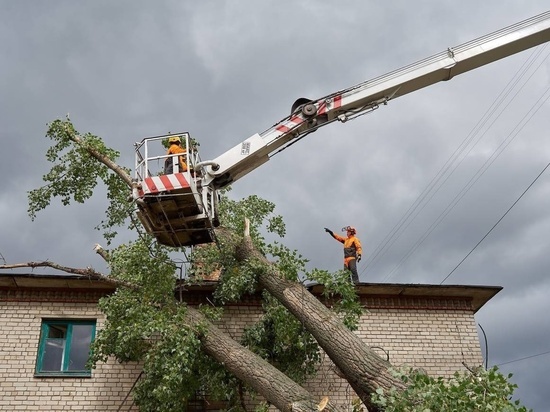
(169,329)
(86,157)
(152,334)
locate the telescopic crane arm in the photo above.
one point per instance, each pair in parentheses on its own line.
(307,116)
(180,207)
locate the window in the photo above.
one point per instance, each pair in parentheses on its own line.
(64,347)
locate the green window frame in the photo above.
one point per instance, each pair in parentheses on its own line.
(64,347)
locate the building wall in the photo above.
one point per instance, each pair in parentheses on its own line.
(20,322)
(436,335)
(436,340)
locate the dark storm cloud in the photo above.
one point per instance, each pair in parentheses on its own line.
(225,70)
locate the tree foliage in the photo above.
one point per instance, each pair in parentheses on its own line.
(146,322)
(477,390)
(75,175)
(283,341)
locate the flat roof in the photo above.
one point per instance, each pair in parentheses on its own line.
(55,281)
(478,294)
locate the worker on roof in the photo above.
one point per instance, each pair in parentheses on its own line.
(175,148)
(352,250)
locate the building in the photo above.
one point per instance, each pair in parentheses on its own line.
(47,319)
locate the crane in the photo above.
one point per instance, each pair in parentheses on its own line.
(179,205)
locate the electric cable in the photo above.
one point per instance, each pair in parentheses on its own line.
(129,392)
(524,358)
(492,109)
(480,172)
(495,225)
(436,183)
(452,159)
(486,346)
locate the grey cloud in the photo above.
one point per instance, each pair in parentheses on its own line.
(224,71)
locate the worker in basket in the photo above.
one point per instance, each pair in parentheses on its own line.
(175,148)
(352,250)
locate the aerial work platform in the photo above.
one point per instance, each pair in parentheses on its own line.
(171,206)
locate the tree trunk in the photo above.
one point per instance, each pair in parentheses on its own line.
(362,367)
(277,388)
(272,384)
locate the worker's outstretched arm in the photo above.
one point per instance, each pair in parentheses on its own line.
(338,238)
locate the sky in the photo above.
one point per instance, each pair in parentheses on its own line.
(225,70)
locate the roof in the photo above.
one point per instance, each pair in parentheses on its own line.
(478,295)
(55,281)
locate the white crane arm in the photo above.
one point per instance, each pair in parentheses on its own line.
(309,115)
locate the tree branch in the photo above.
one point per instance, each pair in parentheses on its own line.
(101,252)
(86,272)
(103,159)
(362,367)
(281,390)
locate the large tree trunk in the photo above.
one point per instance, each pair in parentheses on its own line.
(362,367)
(276,388)
(272,384)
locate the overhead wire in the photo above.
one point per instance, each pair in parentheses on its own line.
(524,358)
(435,184)
(495,225)
(480,172)
(437,181)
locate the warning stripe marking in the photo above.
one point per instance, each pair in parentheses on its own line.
(163,183)
(166,183)
(292,122)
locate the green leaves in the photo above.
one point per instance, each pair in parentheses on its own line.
(136,316)
(476,391)
(258,211)
(145,323)
(170,375)
(282,340)
(75,173)
(341,294)
(148,266)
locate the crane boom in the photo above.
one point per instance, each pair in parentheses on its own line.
(179,207)
(348,103)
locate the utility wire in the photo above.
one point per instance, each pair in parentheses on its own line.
(524,358)
(436,183)
(481,171)
(495,225)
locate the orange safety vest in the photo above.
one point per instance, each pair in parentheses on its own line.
(175,149)
(352,245)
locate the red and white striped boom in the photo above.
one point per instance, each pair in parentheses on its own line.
(309,115)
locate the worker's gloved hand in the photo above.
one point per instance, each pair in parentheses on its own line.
(328,230)
(358,258)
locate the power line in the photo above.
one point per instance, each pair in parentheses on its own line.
(495,225)
(524,358)
(480,172)
(436,182)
